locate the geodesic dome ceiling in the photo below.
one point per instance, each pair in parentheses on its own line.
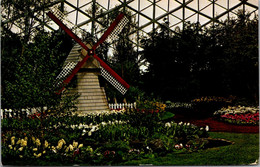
(148,14)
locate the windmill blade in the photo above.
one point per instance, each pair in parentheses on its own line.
(112,77)
(113,30)
(72,69)
(67,30)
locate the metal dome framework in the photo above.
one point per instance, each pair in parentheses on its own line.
(148,14)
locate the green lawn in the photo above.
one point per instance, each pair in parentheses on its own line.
(244,151)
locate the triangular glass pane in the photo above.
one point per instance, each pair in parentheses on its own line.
(203,20)
(254,2)
(163,4)
(174,5)
(83,3)
(207,11)
(159,12)
(193,4)
(143,21)
(173,20)
(223,3)
(192,19)
(233,3)
(219,10)
(204,4)
(144,4)
(188,13)
(134,5)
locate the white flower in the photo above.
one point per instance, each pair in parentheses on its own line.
(207,128)
(180,123)
(168,124)
(89,133)
(20,149)
(188,124)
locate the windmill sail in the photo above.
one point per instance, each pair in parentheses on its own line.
(112,80)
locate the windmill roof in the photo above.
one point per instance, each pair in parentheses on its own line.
(74,55)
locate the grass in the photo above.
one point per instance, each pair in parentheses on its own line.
(244,151)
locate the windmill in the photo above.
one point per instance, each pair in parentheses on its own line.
(87,66)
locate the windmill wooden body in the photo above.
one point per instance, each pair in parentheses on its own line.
(86,66)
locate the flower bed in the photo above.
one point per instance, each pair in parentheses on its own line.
(240,115)
(98,139)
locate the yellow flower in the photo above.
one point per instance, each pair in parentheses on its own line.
(67,149)
(75,144)
(26,138)
(81,145)
(44,152)
(71,147)
(12,141)
(20,156)
(23,143)
(35,149)
(33,138)
(10,146)
(46,144)
(63,141)
(20,149)
(18,142)
(14,148)
(38,142)
(37,155)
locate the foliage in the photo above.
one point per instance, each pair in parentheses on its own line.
(218,60)
(30,69)
(104,139)
(150,106)
(210,104)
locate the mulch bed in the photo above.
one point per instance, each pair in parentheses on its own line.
(218,126)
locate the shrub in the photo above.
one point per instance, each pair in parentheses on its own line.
(208,104)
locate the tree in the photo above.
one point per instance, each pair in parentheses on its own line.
(219,60)
(30,69)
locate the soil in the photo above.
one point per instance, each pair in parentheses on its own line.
(216,125)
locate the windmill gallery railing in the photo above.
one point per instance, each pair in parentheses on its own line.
(9,113)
